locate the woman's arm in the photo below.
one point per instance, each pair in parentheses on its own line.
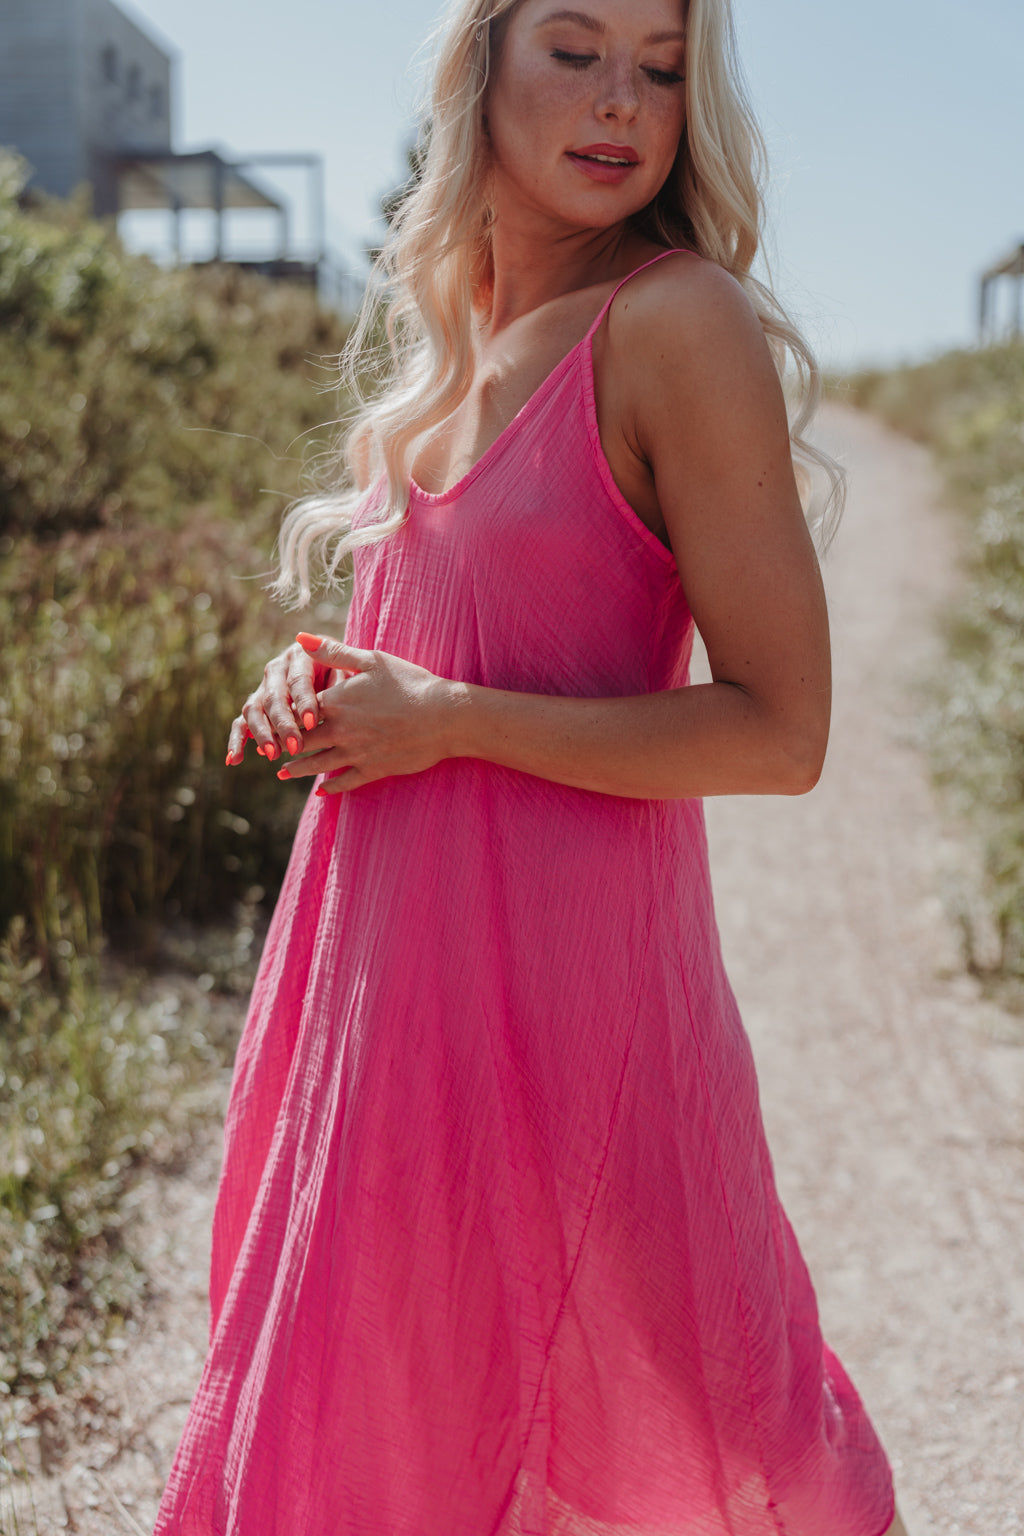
(703,411)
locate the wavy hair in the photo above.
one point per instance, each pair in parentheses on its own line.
(436,259)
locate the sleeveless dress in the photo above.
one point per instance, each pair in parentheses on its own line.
(497,1248)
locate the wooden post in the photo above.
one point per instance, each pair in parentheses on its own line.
(218,204)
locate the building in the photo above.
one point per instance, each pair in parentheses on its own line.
(80,85)
(86,96)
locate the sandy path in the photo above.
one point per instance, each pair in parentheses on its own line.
(892,1091)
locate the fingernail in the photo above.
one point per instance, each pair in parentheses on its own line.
(292,745)
(309,642)
(228,760)
(321,794)
(270,752)
(309,720)
(284,773)
(261,751)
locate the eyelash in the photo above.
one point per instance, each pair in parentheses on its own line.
(584,60)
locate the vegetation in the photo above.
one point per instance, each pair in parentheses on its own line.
(93,1083)
(143,416)
(968,407)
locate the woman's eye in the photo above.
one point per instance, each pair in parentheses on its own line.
(574,60)
(664,76)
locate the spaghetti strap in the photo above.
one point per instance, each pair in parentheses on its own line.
(676,250)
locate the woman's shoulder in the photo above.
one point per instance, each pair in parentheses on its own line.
(683,331)
(684,299)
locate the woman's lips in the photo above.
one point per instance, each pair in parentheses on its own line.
(605,162)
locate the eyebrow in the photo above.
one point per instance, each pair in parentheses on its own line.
(591,23)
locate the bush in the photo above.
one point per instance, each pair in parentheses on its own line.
(134,409)
(126,657)
(130,393)
(143,414)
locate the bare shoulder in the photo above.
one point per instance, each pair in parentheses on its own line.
(687,321)
(683,290)
(691,365)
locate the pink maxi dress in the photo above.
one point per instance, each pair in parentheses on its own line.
(497,1249)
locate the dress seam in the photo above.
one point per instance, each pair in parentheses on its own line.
(599,1176)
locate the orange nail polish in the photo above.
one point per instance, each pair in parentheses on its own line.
(271,752)
(309,642)
(309,720)
(261,752)
(228,761)
(293,745)
(284,773)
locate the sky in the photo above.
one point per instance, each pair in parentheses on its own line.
(895,132)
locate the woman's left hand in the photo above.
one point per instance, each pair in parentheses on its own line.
(381,717)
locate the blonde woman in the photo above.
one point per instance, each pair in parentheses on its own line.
(498,1250)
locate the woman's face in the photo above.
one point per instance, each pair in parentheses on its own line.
(585,108)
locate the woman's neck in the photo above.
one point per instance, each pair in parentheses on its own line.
(533,268)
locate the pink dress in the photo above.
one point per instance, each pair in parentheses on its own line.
(497,1249)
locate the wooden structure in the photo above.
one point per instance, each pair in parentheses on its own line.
(1010,269)
(205,180)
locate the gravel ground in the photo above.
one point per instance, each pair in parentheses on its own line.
(892,1087)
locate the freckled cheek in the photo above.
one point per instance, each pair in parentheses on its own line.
(666,122)
(537,115)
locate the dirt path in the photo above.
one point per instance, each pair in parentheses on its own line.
(892,1090)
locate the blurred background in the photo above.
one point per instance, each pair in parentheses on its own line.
(893,129)
(186,201)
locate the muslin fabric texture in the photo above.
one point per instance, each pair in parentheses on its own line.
(497,1248)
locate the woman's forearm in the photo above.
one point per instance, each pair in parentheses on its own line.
(384,716)
(708,739)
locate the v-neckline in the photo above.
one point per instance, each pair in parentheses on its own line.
(438,498)
(435,498)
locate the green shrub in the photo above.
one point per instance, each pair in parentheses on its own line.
(152,427)
(142,415)
(126,657)
(129,393)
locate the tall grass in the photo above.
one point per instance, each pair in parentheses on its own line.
(126,658)
(143,416)
(152,426)
(968,407)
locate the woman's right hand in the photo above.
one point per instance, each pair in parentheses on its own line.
(281,709)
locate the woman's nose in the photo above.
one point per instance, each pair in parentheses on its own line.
(619,98)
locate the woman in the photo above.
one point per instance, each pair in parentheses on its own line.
(498,1248)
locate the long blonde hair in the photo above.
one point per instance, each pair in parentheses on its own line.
(437,255)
